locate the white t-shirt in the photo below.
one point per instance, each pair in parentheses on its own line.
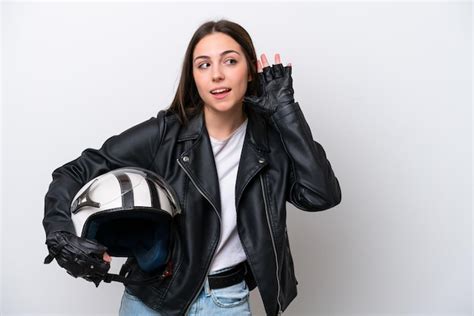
(227,156)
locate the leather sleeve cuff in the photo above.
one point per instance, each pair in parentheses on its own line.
(285,110)
(60,226)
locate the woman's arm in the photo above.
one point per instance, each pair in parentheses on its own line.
(314,187)
(135,147)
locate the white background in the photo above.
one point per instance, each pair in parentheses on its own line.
(385,87)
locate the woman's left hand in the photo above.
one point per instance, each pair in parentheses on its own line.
(276,85)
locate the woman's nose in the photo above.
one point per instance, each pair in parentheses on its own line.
(217,74)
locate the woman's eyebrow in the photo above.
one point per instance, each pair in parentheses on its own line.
(223,53)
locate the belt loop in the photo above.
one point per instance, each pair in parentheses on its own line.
(207,288)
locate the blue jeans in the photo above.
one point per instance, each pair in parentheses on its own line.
(232,300)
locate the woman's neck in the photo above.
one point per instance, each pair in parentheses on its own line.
(221,124)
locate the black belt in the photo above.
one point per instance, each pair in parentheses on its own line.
(229,277)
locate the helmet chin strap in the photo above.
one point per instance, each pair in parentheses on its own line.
(122,277)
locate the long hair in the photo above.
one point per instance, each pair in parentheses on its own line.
(187,102)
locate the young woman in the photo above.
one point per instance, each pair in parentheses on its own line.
(236,147)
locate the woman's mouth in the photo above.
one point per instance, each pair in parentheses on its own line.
(220,93)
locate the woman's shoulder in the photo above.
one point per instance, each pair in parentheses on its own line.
(168,122)
(153,124)
(166,116)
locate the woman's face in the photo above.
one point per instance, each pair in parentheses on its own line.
(219,62)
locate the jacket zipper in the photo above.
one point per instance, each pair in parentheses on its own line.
(213,254)
(273,244)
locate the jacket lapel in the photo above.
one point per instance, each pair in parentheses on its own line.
(198,160)
(255,151)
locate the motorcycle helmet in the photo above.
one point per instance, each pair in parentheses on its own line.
(130,211)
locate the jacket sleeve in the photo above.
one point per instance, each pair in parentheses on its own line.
(313,185)
(135,147)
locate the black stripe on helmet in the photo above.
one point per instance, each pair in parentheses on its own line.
(126,190)
(154,196)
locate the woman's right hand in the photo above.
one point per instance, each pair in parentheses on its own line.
(106,257)
(79,256)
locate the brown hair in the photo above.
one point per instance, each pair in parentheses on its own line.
(187,102)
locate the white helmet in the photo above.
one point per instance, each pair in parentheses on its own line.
(130,211)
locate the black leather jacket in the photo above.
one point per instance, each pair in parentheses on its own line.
(280,162)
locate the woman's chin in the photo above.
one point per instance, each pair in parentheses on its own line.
(222,107)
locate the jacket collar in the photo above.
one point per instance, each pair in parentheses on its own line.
(256,129)
(195,160)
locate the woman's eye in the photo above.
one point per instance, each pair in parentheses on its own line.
(229,61)
(200,66)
